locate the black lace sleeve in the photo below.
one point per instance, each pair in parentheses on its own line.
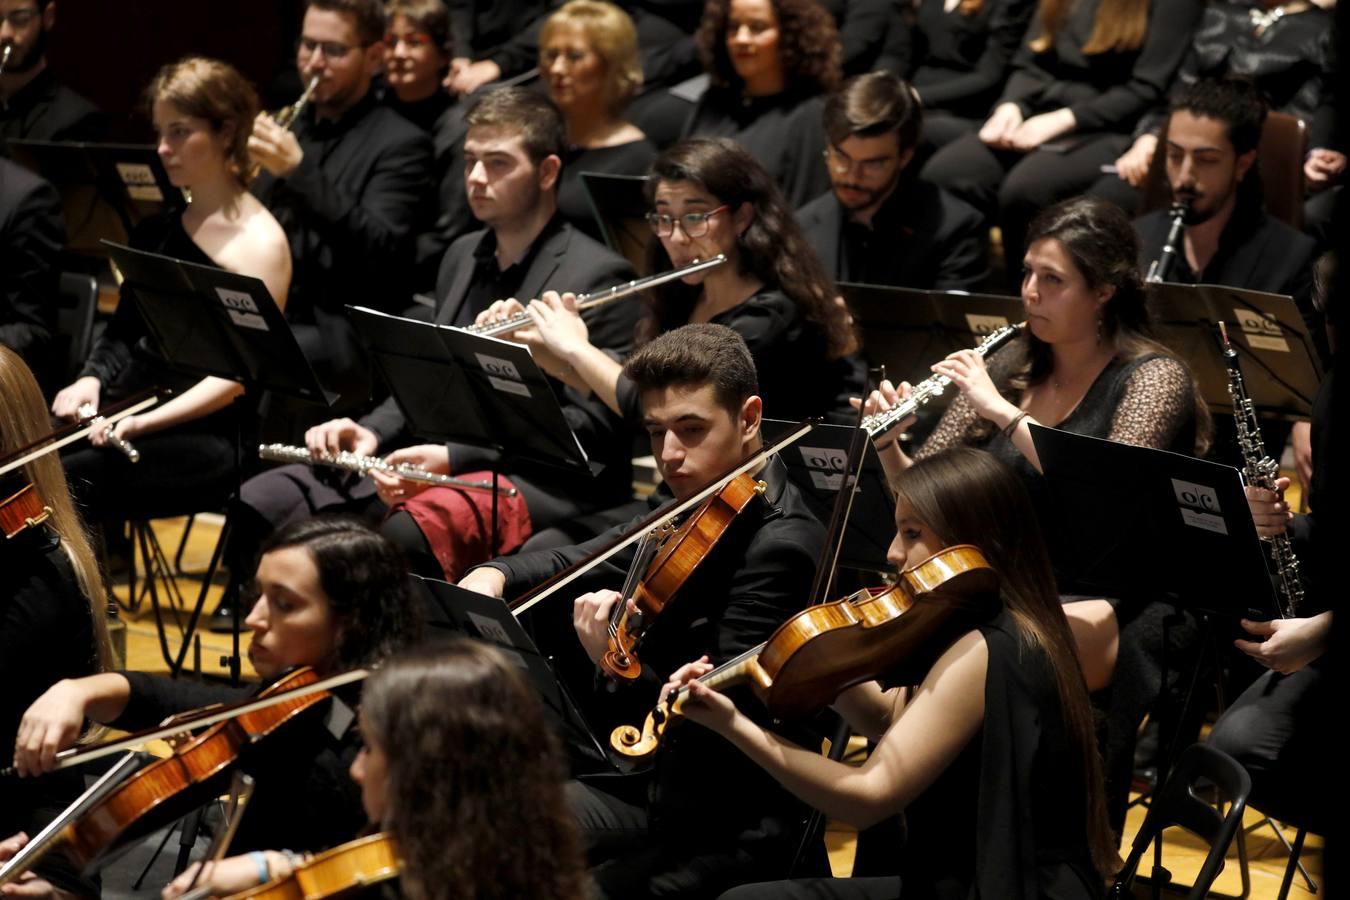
(957,426)
(1156,404)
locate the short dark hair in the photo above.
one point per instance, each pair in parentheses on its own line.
(527,113)
(697,354)
(872,105)
(1234,101)
(431,16)
(366,581)
(367,16)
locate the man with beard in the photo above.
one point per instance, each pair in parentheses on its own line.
(32,104)
(880,223)
(1214,127)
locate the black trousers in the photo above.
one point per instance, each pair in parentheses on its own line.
(182,470)
(1012,187)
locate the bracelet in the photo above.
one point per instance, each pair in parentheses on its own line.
(1012,426)
(264,870)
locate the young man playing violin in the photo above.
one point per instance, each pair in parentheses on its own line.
(701,819)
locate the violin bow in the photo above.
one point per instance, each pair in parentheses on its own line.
(71,433)
(655,520)
(75,756)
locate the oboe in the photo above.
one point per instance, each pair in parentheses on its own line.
(1261,471)
(355,462)
(600,298)
(87,411)
(878,424)
(1162,266)
(4,57)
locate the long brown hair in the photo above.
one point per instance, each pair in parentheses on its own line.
(1119,26)
(808,43)
(772,249)
(215,91)
(1103,246)
(23,420)
(474,780)
(966,496)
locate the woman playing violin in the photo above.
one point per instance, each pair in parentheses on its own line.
(461,771)
(998,734)
(53,618)
(332,595)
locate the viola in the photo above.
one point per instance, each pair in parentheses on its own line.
(334,874)
(823,650)
(674,559)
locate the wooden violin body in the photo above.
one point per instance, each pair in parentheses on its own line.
(825,649)
(21,506)
(673,565)
(335,874)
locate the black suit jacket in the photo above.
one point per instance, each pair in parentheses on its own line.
(1256,252)
(925,238)
(46,110)
(31,237)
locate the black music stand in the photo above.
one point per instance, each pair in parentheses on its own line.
(458,387)
(908,330)
(208,321)
(1279,361)
(450,610)
(816,466)
(619,204)
(106,189)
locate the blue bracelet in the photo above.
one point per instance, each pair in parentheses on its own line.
(264,870)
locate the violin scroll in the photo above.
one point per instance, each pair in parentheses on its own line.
(636,744)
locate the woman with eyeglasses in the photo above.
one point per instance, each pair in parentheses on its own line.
(710,197)
(588,57)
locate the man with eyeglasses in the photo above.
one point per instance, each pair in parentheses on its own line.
(33,105)
(880,223)
(513,153)
(348,181)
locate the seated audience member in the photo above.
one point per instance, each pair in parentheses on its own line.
(466,823)
(882,223)
(488,44)
(771,63)
(203,111)
(32,233)
(960,57)
(710,197)
(348,183)
(1213,134)
(417,45)
(514,148)
(33,104)
(1080,82)
(588,57)
(995,738)
(701,820)
(1287,55)
(873,35)
(53,625)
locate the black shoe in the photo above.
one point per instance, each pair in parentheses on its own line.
(222,620)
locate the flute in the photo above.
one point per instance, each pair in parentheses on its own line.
(86,411)
(355,462)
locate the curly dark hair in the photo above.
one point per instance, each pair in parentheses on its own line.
(474,778)
(773,249)
(808,43)
(367,584)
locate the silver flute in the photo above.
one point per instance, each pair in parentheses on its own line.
(1262,471)
(600,298)
(879,423)
(88,413)
(355,462)
(1161,267)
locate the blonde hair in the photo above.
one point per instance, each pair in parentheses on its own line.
(24,420)
(215,91)
(610,32)
(1119,26)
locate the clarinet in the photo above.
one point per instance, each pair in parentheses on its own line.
(1260,470)
(1162,266)
(878,424)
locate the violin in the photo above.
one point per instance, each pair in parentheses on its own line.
(21,506)
(334,874)
(167,789)
(825,649)
(668,560)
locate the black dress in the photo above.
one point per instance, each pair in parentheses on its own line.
(46,634)
(182,469)
(959,62)
(632,158)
